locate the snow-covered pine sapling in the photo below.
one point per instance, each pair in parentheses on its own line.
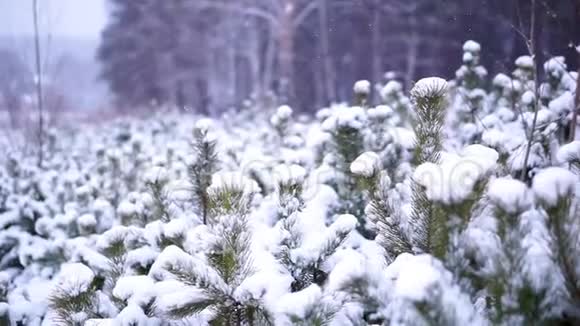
(306,262)
(290,203)
(114,245)
(345,126)
(212,281)
(471,76)
(454,188)
(524,74)
(423,292)
(428,95)
(75,298)
(156,181)
(557,94)
(379,210)
(281,121)
(570,154)
(205,164)
(362,92)
(556,70)
(376,139)
(516,292)
(393,96)
(289,187)
(4,308)
(470,92)
(114,160)
(555,190)
(502,93)
(308,307)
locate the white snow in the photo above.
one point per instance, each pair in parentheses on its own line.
(74,278)
(299,303)
(569,152)
(157,174)
(136,288)
(284,112)
(528,98)
(391,87)
(342,116)
(87,221)
(467,57)
(232,180)
(453,180)
(362,87)
(554,183)
(204,124)
(290,174)
(471,46)
(429,87)
(525,62)
(381,112)
(415,276)
(562,104)
(512,196)
(366,165)
(556,66)
(403,137)
(503,81)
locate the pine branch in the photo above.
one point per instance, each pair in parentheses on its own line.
(380,211)
(198,275)
(231,256)
(67,304)
(200,172)
(391,237)
(563,221)
(187,309)
(428,96)
(161,207)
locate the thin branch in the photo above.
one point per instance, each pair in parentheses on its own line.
(531,48)
(306,11)
(574,122)
(38,81)
(250,11)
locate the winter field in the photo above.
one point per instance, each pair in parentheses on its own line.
(451,204)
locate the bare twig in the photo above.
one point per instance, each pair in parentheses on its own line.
(38,81)
(532,50)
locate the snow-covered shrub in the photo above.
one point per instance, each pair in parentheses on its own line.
(435,207)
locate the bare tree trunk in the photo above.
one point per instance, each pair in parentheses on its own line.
(269,64)
(232,74)
(39,95)
(377,60)
(286,51)
(531,43)
(574,122)
(412,52)
(329,76)
(253,56)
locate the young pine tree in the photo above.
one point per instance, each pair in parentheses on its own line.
(204,166)
(428,95)
(211,281)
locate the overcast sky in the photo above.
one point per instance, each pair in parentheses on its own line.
(82,19)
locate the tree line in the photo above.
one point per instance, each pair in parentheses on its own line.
(209,55)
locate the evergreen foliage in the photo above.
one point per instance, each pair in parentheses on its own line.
(365,215)
(200,171)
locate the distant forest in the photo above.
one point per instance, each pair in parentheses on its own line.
(212,54)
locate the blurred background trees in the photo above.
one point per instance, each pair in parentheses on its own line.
(211,54)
